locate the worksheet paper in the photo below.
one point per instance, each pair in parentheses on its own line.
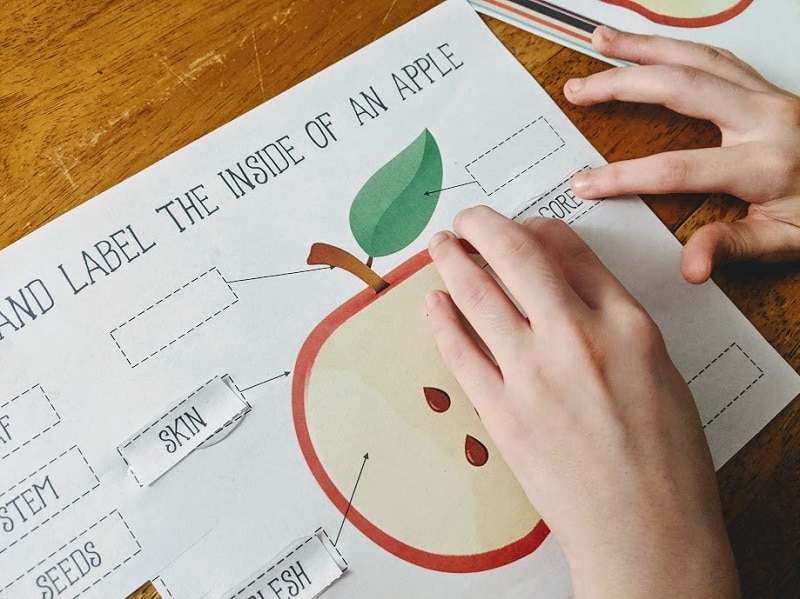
(189,393)
(763,33)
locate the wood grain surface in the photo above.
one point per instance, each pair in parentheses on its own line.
(92,92)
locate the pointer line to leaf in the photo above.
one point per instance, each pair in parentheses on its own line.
(280,274)
(427,193)
(284,374)
(349,503)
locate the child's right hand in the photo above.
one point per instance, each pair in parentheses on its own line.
(586,407)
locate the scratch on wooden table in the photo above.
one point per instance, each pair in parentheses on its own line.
(284,14)
(172,72)
(258,66)
(89,140)
(196,67)
(386,16)
(58,159)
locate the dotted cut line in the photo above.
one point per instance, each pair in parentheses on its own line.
(164,586)
(339,553)
(210,442)
(37,435)
(526,169)
(283,559)
(75,538)
(179,337)
(741,394)
(73,502)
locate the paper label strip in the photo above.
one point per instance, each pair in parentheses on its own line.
(182,428)
(303,570)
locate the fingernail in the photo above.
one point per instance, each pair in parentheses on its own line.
(607,33)
(580,184)
(574,85)
(439,238)
(432,300)
(458,217)
(532,219)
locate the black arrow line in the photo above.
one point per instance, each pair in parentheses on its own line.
(283,374)
(353,494)
(281,274)
(427,193)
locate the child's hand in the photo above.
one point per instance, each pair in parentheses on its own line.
(759,160)
(586,407)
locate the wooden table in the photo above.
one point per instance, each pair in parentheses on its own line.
(91,93)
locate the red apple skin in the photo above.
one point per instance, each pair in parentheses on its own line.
(305,360)
(686,22)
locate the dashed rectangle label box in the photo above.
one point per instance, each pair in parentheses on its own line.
(79,564)
(173,317)
(559,202)
(723,382)
(44,494)
(24,418)
(516,155)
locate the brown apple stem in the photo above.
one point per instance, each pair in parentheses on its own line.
(369,261)
(323,253)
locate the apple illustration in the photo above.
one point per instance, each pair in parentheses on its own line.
(685,13)
(369,378)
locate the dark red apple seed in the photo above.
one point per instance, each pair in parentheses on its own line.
(476,452)
(438,400)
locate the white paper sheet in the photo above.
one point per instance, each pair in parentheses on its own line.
(763,34)
(224,287)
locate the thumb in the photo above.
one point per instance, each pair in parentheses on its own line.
(758,239)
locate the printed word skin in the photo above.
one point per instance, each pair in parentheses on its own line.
(183,428)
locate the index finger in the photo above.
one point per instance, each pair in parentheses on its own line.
(521,263)
(655,49)
(681,88)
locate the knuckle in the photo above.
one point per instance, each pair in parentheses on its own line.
(645,44)
(579,253)
(783,162)
(682,77)
(612,176)
(456,358)
(514,245)
(639,327)
(712,53)
(474,296)
(788,108)
(673,171)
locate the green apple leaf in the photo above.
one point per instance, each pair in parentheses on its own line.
(397,202)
